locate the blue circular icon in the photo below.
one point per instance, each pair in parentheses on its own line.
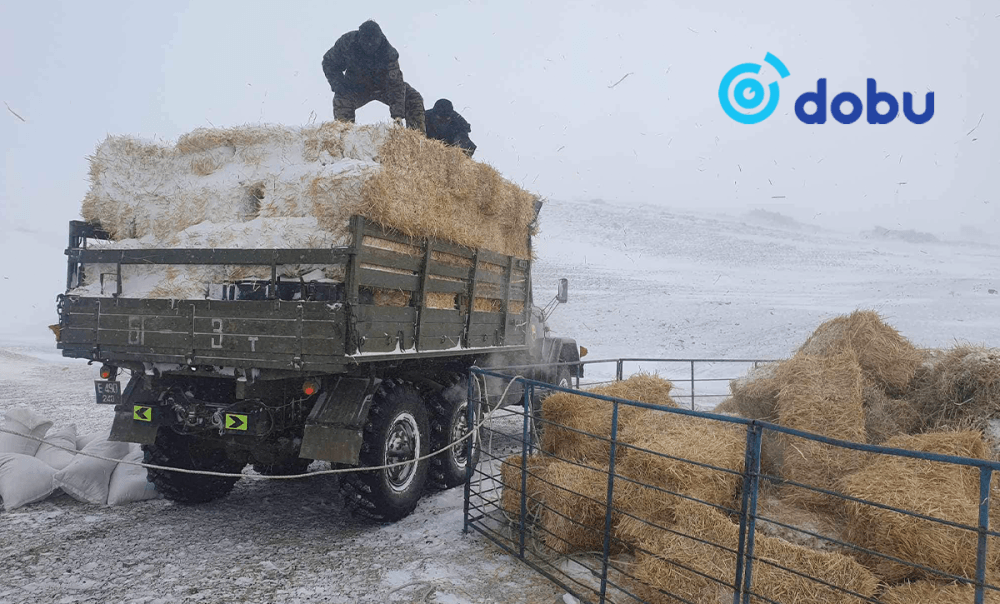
(749,92)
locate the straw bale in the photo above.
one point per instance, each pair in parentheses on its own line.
(594,417)
(392,246)
(574,515)
(959,387)
(510,480)
(515,307)
(451,259)
(388,297)
(488,305)
(755,395)
(440,300)
(885,356)
(886,417)
(693,439)
(421,181)
(661,562)
(727,407)
(821,395)
(930,592)
(326,138)
(239,137)
(934,489)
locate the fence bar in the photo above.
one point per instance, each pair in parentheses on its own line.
(984,524)
(524,467)
(472,410)
(611,491)
(619,369)
(692,385)
(753,470)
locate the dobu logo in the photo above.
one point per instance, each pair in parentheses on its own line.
(749,93)
(874,97)
(756,103)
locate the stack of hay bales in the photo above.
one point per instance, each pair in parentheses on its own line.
(283,187)
(935,593)
(959,387)
(565,414)
(820,395)
(858,379)
(697,561)
(930,488)
(656,462)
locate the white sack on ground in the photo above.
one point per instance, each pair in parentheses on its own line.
(128,482)
(52,454)
(23,480)
(23,421)
(82,440)
(87,479)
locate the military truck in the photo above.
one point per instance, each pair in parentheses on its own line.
(278,372)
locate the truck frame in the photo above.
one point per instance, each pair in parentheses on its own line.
(278,373)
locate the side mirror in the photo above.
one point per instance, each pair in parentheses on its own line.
(563,294)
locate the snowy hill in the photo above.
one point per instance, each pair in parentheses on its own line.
(645,280)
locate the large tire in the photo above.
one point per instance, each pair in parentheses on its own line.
(397,431)
(190,453)
(448,424)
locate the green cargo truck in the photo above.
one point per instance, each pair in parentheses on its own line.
(279,372)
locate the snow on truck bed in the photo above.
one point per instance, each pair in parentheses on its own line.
(261,187)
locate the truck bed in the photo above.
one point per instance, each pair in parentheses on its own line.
(296,326)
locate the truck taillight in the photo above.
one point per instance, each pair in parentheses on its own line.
(310,387)
(108,372)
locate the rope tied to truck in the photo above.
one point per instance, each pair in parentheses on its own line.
(457,441)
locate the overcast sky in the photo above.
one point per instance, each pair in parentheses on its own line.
(537,82)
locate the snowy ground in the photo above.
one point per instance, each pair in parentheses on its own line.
(644,281)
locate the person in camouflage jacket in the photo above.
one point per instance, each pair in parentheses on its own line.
(362,67)
(447,125)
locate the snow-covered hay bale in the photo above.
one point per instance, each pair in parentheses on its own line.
(777,517)
(755,395)
(886,357)
(678,563)
(959,387)
(570,412)
(284,187)
(886,417)
(938,490)
(930,592)
(820,395)
(683,439)
(510,480)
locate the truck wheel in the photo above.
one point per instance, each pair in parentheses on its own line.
(397,431)
(289,467)
(190,453)
(450,423)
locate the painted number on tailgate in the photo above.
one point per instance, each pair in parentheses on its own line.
(217,330)
(136,330)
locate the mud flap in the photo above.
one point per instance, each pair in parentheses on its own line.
(138,416)
(334,429)
(132,426)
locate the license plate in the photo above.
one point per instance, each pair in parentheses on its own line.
(108,393)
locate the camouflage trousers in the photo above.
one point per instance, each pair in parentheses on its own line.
(345,105)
